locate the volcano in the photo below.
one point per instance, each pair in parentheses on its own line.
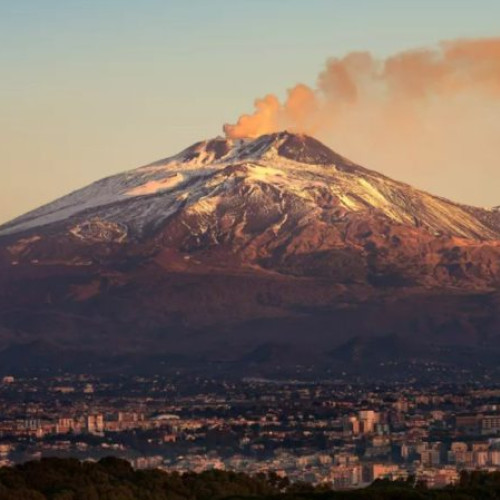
(244,252)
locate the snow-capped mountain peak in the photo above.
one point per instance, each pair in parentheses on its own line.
(306,180)
(231,244)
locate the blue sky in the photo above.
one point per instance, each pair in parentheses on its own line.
(93,87)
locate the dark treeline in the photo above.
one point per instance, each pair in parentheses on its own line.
(115,479)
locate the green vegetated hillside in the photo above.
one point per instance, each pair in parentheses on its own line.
(115,479)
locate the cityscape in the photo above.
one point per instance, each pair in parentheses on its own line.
(336,432)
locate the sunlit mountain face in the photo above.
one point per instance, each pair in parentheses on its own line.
(244,252)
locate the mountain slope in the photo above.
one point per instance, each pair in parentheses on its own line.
(230,245)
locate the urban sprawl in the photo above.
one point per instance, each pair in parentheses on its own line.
(341,433)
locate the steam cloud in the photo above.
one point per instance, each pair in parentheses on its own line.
(424,115)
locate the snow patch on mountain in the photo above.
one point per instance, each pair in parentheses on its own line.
(152,187)
(97,230)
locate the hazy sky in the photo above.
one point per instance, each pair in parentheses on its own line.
(89,88)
